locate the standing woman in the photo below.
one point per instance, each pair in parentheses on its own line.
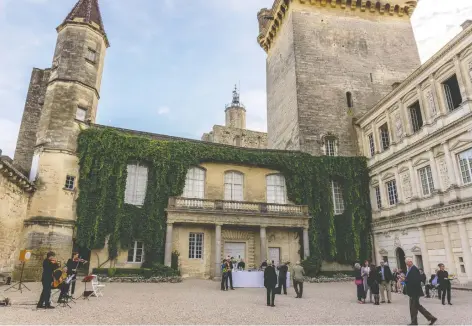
(359,283)
(365,270)
(373,281)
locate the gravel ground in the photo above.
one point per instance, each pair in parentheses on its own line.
(201,302)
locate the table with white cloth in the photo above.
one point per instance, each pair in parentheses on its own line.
(255,279)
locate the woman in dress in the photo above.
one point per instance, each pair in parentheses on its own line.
(359,283)
(365,270)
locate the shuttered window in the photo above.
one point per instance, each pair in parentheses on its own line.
(276,193)
(136,184)
(234,186)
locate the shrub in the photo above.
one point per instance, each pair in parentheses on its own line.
(162,270)
(311,266)
(111,272)
(175,260)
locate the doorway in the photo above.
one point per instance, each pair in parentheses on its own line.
(237,250)
(401,259)
(274,255)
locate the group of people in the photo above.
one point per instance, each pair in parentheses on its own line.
(380,279)
(55,277)
(271,280)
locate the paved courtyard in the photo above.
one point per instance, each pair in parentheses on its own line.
(201,302)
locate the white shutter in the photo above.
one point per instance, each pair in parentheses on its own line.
(141,185)
(34,168)
(130,183)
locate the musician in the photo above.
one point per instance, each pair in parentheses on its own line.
(72,266)
(49,265)
(60,277)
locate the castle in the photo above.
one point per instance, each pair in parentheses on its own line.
(344,79)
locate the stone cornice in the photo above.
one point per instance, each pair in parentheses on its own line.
(47,220)
(63,80)
(431,216)
(280,9)
(434,59)
(15,176)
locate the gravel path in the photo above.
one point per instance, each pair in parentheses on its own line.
(201,302)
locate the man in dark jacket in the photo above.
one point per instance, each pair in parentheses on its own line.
(270,281)
(385,277)
(283,269)
(46,280)
(415,291)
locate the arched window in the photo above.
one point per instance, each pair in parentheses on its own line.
(195,183)
(234,186)
(276,192)
(350,103)
(136,184)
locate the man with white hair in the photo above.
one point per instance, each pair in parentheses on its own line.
(415,291)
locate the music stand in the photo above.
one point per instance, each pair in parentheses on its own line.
(20,283)
(87,279)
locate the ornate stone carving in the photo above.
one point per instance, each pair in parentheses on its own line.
(406,184)
(398,125)
(431,103)
(271,237)
(470,71)
(416,250)
(404,232)
(443,171)
(383,252)
(397,242)
(235,235)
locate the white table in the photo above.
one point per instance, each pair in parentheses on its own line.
(251,279)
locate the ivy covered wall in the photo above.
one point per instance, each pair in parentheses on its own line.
(101,211)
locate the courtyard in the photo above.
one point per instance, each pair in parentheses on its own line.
(201,302)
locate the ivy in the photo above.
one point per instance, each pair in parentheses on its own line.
(103,216)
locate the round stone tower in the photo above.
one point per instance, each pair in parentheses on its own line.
(235,112)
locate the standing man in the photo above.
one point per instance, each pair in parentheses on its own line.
(224,275)
(444,284)
(385,277)
(230,271)
(415,291)
(72,266)
(298,275)
(270,281)
(47,279)
(283,269)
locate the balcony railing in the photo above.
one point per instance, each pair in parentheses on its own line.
(237,206)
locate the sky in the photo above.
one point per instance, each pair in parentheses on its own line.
(172,64)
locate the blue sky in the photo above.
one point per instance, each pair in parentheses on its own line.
(172,64)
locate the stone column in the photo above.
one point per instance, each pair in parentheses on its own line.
(414,181)
(460,78)
(263,244)
(448,249)
(306,244)
(424,251)
(377,256)
(434,170)
(217,250)
(168,248)
(465,244)
(450,165)
(401,197)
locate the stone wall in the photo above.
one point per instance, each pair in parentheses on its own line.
(236,137)
(13,209)
(29,123)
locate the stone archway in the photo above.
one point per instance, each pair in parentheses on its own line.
(401,259)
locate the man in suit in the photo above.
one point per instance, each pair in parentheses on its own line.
(270,281)
(283,269)
(298,275)
(414,290)
(47,279)
(385,277)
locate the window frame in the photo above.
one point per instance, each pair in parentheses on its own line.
(395,194)
(427,173)
(417,122)
(378,196)
(232,185)
(330,146)
(468,164)
(449,101)
(81,108)
(88,57)
(194,251)
(276,186)
(384,141)
(135,199)
(135,250)
(194,193)
(337,198)
(371,140)
(69,183)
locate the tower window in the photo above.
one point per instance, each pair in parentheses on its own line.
(91,55)
(384,137)
(416,118)
(452,92)
(70,180)
(80,114)
(371,145)
(392,192)
(330,146)
(350,103)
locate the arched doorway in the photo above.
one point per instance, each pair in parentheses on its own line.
(401,259)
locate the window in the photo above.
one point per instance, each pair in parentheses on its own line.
(392,192)
(195,183)
(276,189)
(195,246)
(136,184)
(34,168)
(371,145)
(234,186)
(452,92)
(237,141)
(461,264)
(338,200)
(91,55)
(416,118)
(465,163)
(69,185)
(384,137)
(80,114)
(136,253)
(426,178)
(330,146)
(350,103)
(378,197)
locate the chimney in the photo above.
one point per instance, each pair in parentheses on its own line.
(395,85)
(466,24)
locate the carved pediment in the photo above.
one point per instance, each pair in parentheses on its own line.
(374,182)
(420,161)
(388,175)
(466,53)
(461,142)
(403,169)
(383,252)
(416,250)
(410,97)
(448,67)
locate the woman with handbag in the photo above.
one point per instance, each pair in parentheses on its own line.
(359,281)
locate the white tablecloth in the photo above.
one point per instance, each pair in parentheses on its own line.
(251,279)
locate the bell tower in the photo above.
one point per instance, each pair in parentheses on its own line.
(235,112)
(70,103)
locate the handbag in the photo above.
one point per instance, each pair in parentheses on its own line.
(358,282)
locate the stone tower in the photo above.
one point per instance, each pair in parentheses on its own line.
(328,61)
(235,112)
(70,101)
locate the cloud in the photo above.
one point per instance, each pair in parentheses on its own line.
(9,133)
(163,110)
(255,102)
